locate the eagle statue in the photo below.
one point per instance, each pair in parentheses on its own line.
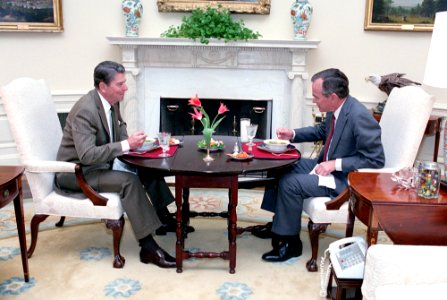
(386,83)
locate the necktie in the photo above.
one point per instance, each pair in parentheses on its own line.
(329,138)
(111,116)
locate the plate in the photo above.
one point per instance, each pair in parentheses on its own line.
(263,147)
(143,149)
(218,146)
(211,149)
(250,157)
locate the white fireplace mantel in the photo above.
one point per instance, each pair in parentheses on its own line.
(257,69)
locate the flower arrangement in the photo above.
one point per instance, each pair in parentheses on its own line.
(201,115)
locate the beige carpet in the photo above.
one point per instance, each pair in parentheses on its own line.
(75,262)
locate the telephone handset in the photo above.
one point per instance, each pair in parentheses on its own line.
(347,258)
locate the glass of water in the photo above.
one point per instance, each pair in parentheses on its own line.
(163,140)
(251,133)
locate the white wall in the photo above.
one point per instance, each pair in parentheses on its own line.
(66,60)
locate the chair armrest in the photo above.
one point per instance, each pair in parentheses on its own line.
(88,191)
(51,166)
(338,201)
(48,166)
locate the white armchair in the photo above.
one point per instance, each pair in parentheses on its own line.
(37,132)
(403,124)
(405,272)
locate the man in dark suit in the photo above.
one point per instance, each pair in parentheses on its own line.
(352,141)
(95,135)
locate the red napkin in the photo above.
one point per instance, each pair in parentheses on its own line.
(294,154)
(154,153)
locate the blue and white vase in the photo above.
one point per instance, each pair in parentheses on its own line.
(301,14)
(132,11)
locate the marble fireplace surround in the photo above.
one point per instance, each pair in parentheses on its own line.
(180,68)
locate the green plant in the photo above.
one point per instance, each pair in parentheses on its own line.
(211,23)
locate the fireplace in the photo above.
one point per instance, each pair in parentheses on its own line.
(175,117)
(270,72)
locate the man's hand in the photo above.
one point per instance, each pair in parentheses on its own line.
(284,133)
(136,140)
(325,168)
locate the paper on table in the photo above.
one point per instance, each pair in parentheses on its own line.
(327,181)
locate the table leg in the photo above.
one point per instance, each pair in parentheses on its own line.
(232,223)
(18,208)
(180,237)
(373,230)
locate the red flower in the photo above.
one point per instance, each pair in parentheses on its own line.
(222,109)
(195,101)
(293,13)
(126,10)
(197,114)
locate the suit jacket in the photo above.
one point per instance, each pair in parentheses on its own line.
(356,138)
(86,138)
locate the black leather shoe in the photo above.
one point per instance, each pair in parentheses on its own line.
(263,231)
(158,257)
(285,251)
(165,228)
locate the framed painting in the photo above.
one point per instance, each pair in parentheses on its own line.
(400,15)
(31,16)
(235,6)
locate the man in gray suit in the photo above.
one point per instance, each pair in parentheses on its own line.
(352,141)
(95,135)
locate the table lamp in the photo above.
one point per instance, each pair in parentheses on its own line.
(436,66)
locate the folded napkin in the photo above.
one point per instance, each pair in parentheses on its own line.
(154,153)
(291,154)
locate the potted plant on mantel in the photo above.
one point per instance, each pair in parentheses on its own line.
(211,23)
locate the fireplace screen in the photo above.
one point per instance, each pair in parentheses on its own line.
(175,117)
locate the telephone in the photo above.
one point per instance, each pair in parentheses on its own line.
(347,258)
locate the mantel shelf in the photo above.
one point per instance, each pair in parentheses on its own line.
(146,41)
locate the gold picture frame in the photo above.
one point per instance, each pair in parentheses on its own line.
(381,15)
(31,16)
(261,7)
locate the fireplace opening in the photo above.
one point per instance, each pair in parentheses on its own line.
(175,117)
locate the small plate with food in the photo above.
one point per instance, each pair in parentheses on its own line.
(241,156)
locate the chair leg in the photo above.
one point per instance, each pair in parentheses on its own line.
(35,221)
(314,233)
(117,226)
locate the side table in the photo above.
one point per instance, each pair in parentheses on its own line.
(11,190)
(346,289)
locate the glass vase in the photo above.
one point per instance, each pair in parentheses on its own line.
(207,134)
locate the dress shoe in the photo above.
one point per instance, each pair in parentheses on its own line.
(165,228)
(170,225)
(284,251)
(157,257)
(263,231)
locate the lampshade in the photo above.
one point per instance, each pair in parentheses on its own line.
(436,67)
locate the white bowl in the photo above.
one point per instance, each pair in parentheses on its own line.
(147,145)
(276,144)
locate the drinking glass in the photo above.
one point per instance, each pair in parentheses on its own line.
(251,133)
(163,140)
